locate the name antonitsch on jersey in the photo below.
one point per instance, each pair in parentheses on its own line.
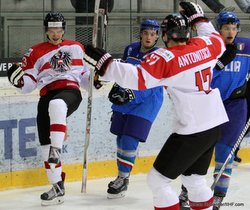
(194,57)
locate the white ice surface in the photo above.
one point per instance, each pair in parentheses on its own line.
(138,196)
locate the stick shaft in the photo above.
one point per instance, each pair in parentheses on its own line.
(89,105)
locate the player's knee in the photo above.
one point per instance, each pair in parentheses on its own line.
(57,107)
(195,184)
(157,181)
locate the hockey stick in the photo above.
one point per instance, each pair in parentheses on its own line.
(240,138)
(243,5)
(105,23)
(89,105)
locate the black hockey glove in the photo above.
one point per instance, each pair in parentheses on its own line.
(120,96)
(97,83)
(193,12)
(15,75)
(97,59)
(226,57)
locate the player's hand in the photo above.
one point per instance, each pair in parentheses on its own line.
(226,57)
(97,83)
(120,96)
(15,75)
(97,59)
(193,12)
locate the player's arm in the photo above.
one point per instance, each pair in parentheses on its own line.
(226,58)
(25,83)
(194,13)
(147,75)
(204,27)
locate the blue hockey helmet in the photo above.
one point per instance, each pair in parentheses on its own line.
(227,17)
(150,24)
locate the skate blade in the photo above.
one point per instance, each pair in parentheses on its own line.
(115,196)
(184,206)
(56,201)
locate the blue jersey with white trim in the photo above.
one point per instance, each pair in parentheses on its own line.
(147,103)
(234,74)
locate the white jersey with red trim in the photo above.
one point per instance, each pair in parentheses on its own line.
(46,63)
(186,70)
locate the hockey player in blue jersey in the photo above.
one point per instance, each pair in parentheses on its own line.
(133,111)
(231,82)
(230,79)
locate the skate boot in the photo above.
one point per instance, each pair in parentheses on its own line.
(117,188)
(183,198)
(54,196)
(218,198)
(54,157)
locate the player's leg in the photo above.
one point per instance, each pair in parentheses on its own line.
(61,105)
(230,133)
(45,118)
(187,154)
(130,130)
(126,155)
(164,197)
(56,193)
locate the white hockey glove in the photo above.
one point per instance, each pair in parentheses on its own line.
(97,59)
(15,75)
(193,12)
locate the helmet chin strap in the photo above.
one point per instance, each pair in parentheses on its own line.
(165,42)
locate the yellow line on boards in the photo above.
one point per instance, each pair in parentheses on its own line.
(38,177)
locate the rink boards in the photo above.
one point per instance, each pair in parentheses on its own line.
(20,156)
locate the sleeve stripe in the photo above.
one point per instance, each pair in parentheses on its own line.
(141,81)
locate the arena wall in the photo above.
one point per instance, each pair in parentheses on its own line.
(20,155)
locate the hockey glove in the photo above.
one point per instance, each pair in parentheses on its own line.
(97,59)
(227,56)
(120,96)
(15,75)
(193,12)
(97,83)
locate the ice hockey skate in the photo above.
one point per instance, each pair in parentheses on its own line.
(218,198)
(54,157)
(54,196)
(183,199)
(117,188)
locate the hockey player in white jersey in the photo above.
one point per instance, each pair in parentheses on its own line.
(57,69)
(185,68)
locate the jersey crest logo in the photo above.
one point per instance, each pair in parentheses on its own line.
(61,61)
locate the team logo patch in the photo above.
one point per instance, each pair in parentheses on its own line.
(61,61)
(166,54)
(240,46)
(207,40)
